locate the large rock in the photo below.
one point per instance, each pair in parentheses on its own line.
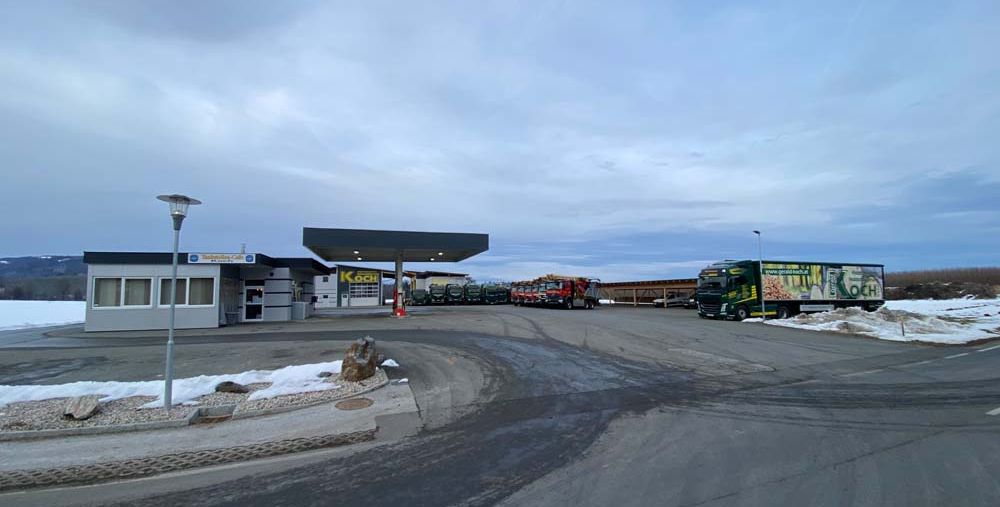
(360,361)
(82,407)
(231,387)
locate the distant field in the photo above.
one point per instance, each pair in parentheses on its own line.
(988,276)
(25,314)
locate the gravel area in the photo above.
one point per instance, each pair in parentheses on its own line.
(344,390)
(47,414)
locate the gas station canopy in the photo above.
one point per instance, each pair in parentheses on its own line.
(386,246)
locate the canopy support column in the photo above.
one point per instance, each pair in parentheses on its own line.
(398,303)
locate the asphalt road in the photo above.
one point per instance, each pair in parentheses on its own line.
(527,406)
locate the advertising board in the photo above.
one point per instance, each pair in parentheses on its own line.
(787,281)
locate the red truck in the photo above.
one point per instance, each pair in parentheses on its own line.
(559,291)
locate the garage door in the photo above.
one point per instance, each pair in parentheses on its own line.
(363,294)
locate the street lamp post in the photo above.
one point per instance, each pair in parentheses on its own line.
(760,261)
(178,210)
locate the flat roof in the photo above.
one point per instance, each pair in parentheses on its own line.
(298,263)
(383,246)
(425,274)
(646,283)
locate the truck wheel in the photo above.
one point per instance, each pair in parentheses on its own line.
(783,312)
(742,313)
(569,304)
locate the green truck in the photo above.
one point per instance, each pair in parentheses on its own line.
(732,289)
(418,297)
(454,294)
(496,294)
(473,294)
(438,294)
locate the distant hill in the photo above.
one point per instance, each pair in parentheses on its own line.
(43,266)
(45,277)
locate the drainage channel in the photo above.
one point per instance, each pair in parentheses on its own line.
(141,467)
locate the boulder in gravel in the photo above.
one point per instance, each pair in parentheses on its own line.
(360,361)
(82,407)
(231,387)
(324,374)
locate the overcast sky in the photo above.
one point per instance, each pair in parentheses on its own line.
(624,140)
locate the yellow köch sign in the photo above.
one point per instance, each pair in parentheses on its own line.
(359,276)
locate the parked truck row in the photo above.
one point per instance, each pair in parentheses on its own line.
(737,290)
(456,294)
(557,291)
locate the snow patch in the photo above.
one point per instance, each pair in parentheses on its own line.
(4,262)
(389,363)
(950,321)
(288,380)
(26,314)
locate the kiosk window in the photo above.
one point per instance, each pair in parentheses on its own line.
(181,298)
(107,292)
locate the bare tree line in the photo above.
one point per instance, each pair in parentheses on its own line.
(985,275)
(53,288)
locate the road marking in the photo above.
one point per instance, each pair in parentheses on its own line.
(916,364)
(989,348)
(862,372)
(995,411)
(956,355)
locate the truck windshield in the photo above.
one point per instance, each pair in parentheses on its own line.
(552,285)
(711,282)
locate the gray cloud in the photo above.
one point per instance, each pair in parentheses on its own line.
(577,122)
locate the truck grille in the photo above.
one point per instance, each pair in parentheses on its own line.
(710,304)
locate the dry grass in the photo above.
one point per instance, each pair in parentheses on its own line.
(988,276)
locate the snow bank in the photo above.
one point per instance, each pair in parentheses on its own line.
(25,314)
(951,321)
(301,378)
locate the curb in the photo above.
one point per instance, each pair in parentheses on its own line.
(96,430)
(190,419)
(142,467)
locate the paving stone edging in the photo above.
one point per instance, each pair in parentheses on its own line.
(172,423)
(141,467)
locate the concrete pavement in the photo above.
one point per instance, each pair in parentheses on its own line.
(630,406)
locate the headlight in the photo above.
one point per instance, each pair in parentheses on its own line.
(724,305)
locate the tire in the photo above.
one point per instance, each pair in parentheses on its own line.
(568,304)
(742,313)
(589,305)
(783,312)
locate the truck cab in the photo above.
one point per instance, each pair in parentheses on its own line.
(454,294)
(473,294)
(418,297)
(494,294)
(437,294)
(571,293)
(728,290)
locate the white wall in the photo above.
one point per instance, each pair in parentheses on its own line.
(124,318)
